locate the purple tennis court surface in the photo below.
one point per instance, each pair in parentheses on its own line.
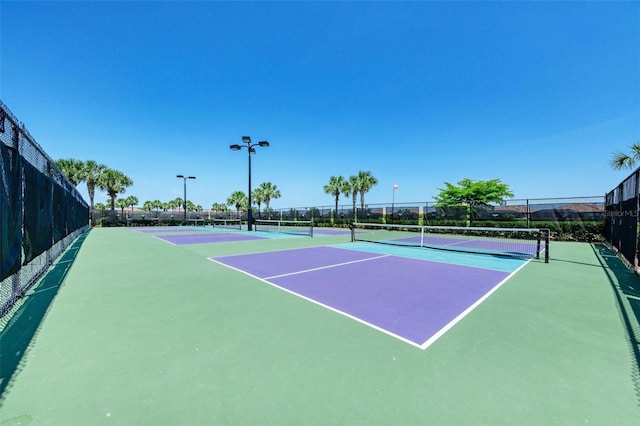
(329,231)
(414,300)
(171,229)
(211,237)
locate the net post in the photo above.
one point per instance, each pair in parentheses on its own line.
(353,231)
(538,244)
(547,240)
(311,229)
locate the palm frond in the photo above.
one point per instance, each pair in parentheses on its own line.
(620,160)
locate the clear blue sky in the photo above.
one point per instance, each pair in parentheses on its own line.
(537,94)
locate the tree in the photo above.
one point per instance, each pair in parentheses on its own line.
(121,203)
(219,207)
(239,200)
(72,169)
(90,174)
(334,187)
(178,202)
(193,207)
(621,160)
(114,182)
(157,205)
(352,187)
(470,193)
(269,192)
(366,181)
(174,204)
(131,201)
(258,197)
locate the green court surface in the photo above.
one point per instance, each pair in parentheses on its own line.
(129,330)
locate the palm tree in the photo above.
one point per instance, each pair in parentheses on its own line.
(257,198)
(122,203)
(621,160)
(173,204)
(114,182)
(270,192)
(72,169)
(90,174)
(239,200)
(178,203)
(219,207)
(334,187)
(132,201)
(352,187)
(366,181)
(157,205)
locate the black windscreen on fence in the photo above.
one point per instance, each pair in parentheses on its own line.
(41,212)
(59,213)
(37,212)
(10,206)
(621,225)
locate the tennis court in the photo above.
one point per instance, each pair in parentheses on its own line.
(128,329)
(404,295)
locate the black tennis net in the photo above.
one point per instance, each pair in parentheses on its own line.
(227,223)
(294,227)
(514,242)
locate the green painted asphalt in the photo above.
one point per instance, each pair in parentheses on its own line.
(129,330)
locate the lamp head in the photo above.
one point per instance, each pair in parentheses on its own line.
(235,147)
(246,139)
(180,176)
(263,143)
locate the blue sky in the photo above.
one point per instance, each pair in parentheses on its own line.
(537,94)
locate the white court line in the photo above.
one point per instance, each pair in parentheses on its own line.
(422,346)
(467,311)
(331,308)
(162,239)
(327,267)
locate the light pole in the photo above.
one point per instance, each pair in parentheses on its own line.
(184,204)
(393,201)
(250,149)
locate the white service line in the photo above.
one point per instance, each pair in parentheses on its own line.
(327,267)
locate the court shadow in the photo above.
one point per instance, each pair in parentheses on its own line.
(626,288)
(21,327)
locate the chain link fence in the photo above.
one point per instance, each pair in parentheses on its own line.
(41,212)
(621,219)
(575,218)
(571,218)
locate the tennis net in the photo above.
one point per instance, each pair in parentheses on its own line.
(294,227)
(227,223)
(515,242)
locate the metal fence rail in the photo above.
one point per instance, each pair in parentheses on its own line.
(41,212)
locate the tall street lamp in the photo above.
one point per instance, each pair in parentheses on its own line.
(184,203)
(251,150)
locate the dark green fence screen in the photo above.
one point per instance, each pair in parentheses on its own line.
(621,224)
(41,213)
